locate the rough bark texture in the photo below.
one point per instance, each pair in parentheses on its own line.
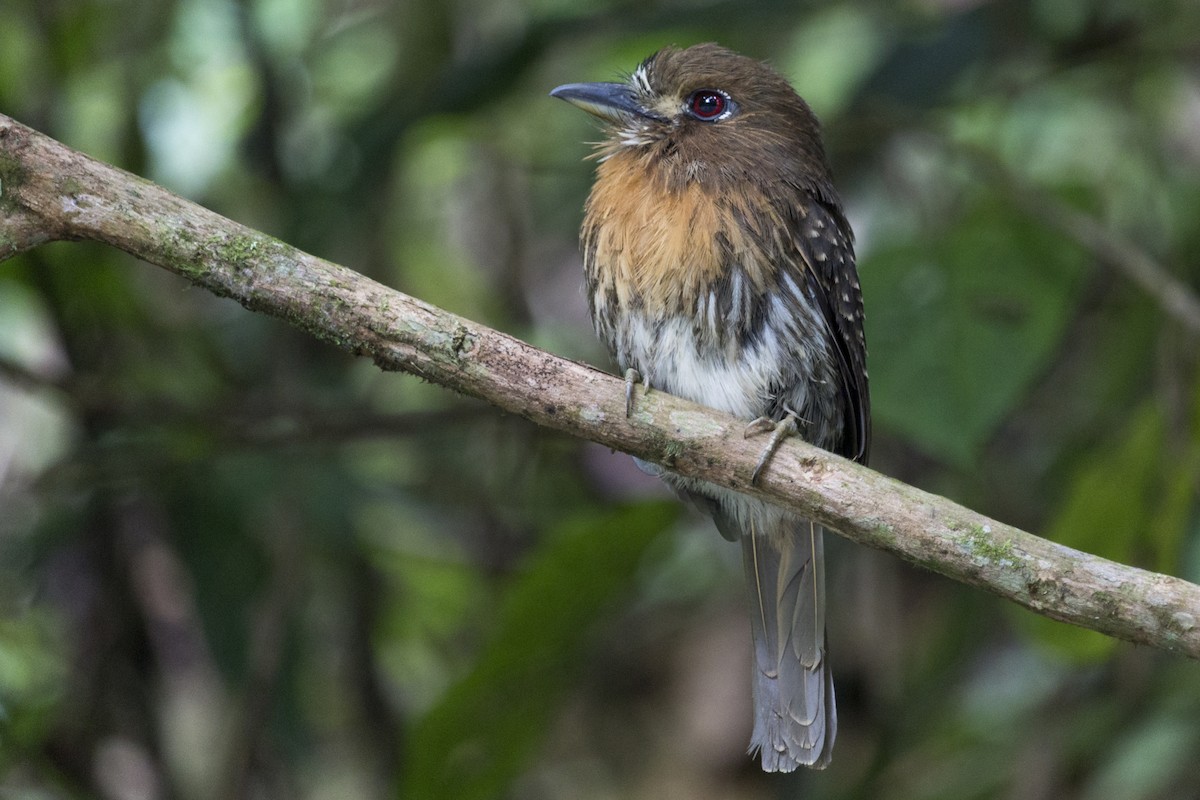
(48,191)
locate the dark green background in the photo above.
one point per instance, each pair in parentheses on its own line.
(235,562)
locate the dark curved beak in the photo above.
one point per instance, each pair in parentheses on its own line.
(609,101)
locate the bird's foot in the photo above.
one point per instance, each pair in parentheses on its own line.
(632,378)
(779,431)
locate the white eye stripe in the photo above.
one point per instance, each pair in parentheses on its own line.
(641,80)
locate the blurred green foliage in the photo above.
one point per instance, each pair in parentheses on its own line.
(983,307)
(234,562)
(475,741)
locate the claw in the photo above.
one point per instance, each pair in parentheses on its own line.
(631,379)
(760,425)
(780,430)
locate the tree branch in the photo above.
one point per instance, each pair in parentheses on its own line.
(69,195)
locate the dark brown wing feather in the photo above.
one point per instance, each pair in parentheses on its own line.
(828,247)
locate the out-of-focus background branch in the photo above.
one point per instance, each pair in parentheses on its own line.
(474,607)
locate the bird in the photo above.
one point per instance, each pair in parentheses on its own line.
(719,266)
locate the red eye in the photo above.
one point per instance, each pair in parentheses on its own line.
(707,104)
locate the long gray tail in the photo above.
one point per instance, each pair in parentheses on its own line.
(795,719)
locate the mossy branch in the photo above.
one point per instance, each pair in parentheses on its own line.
(48,191)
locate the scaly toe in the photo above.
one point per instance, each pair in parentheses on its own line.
(783,429)
(631,379)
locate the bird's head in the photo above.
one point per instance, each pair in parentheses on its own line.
(710,115)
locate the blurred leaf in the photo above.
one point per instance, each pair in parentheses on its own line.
(1168,524)
(827,72)
(482,733)
(354,66)
(33,666)
(1145,764)
(1175,515)
(960,326)
(22,68)
(435,211)
(1108,511)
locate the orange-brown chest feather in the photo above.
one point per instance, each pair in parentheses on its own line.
(656,240)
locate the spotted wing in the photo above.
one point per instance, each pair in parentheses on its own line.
(826,246)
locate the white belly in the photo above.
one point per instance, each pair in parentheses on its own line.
(677,356)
